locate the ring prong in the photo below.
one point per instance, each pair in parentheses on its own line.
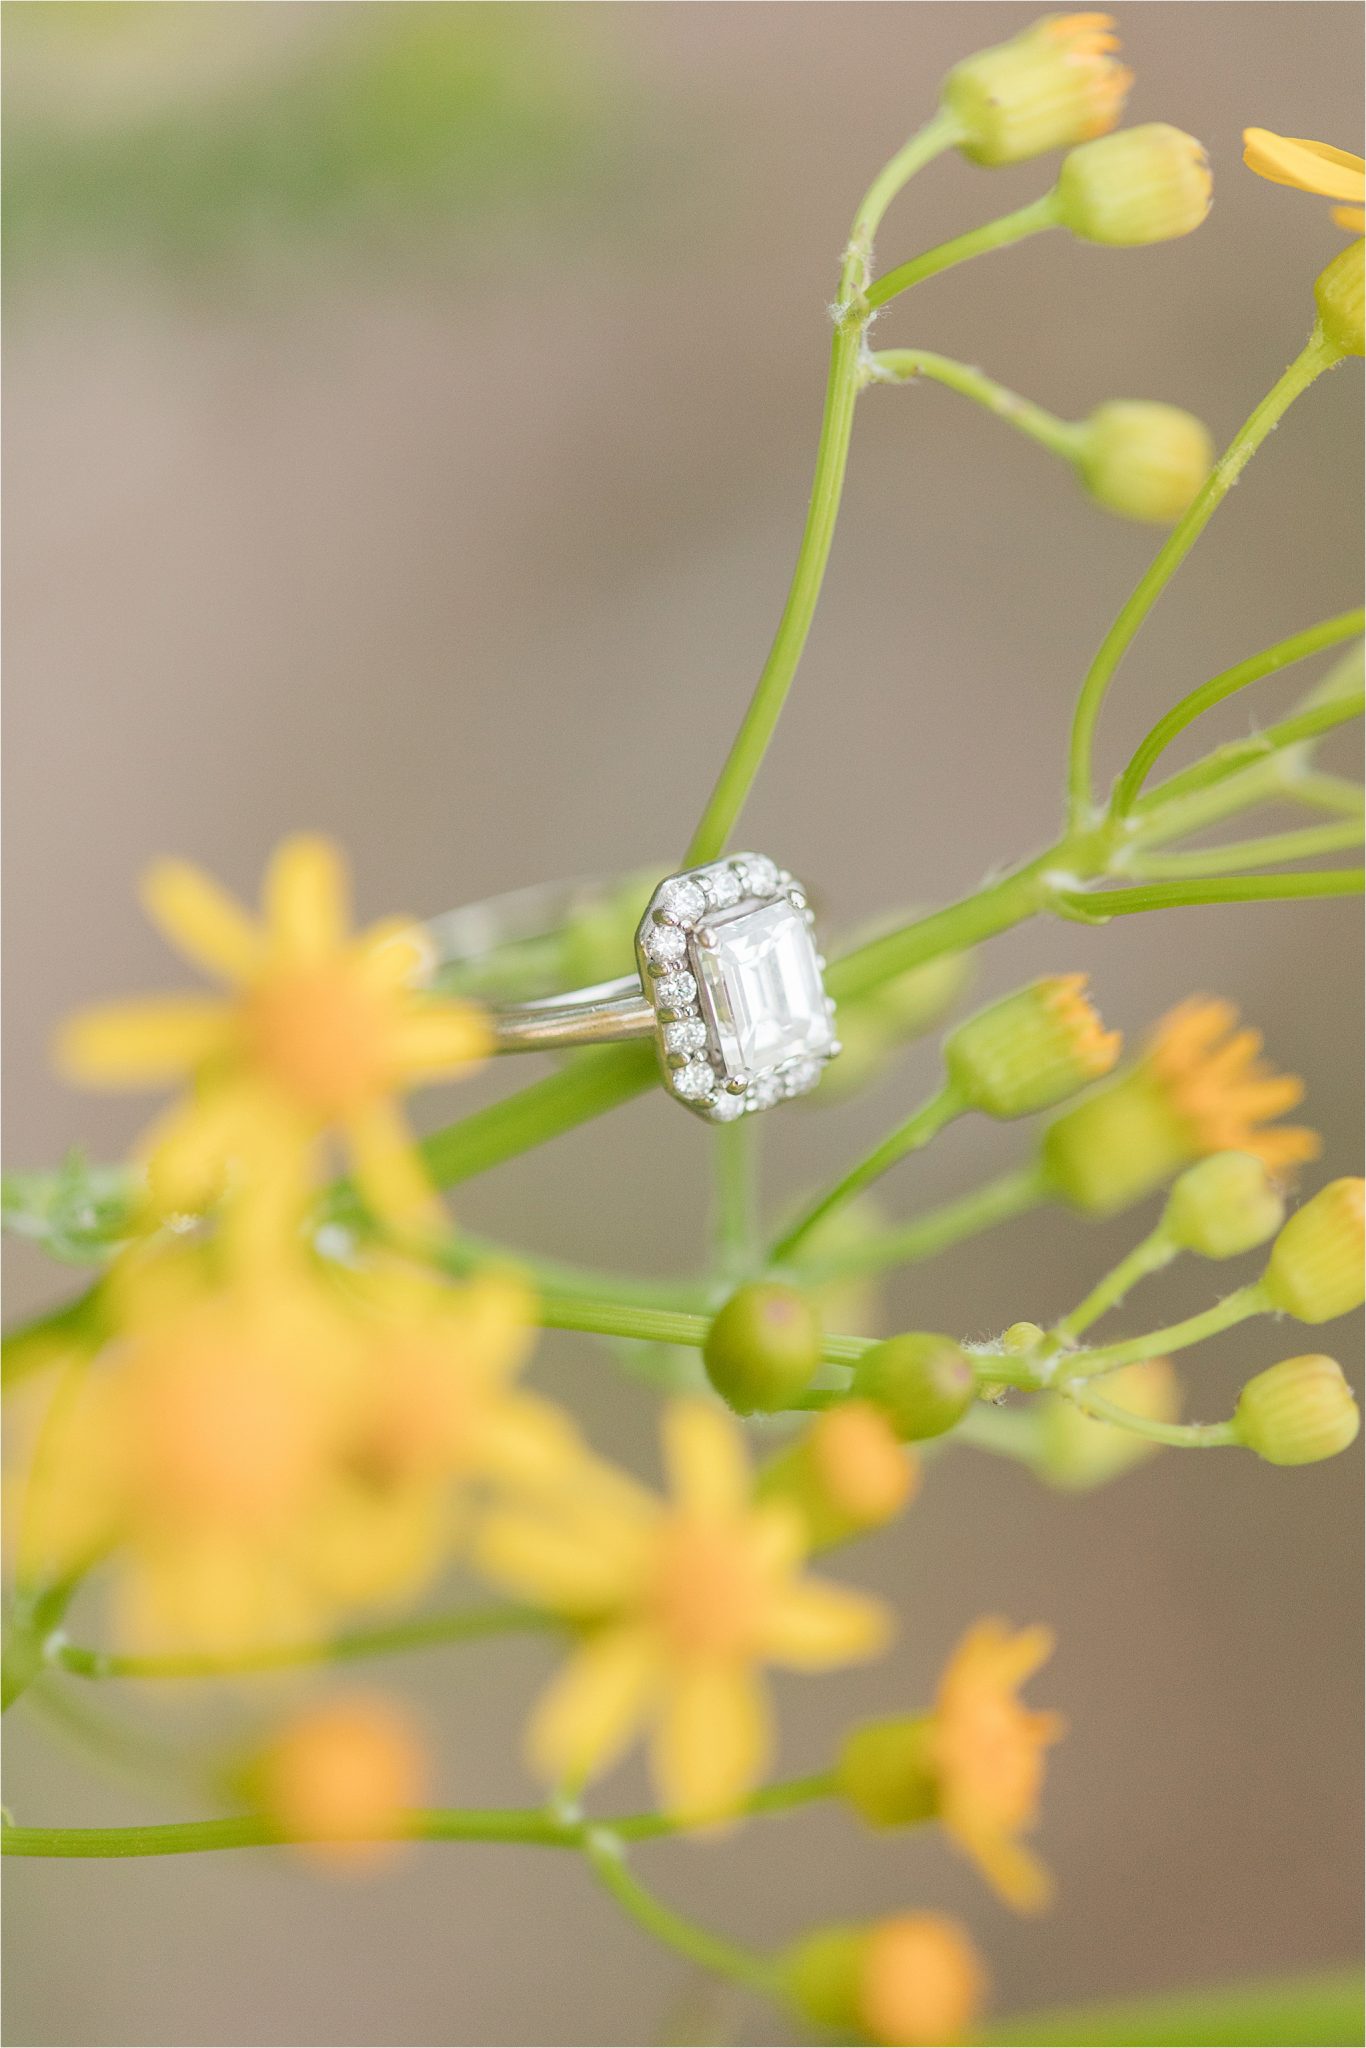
(736,1084)
(706,937)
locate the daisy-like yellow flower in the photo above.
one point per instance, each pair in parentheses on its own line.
(1199,1086)
(988,1756)
(681,1602)
(319,1032)
(1310,167)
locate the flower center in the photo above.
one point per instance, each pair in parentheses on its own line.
(708,1591)
(323,1036)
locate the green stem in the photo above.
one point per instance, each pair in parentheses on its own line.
(911,1136)
(1242,853)
(902,365)
(1297,647)
(1188,1435)
(925,1236)
(1090,908)
(709,1951)
(1330,793)
(991,909)
(832,454)
(1155,1252)
(471,1624)
(662,1326)
(1316,356)
(1235,1308)
(1230,760)
(994,234)
(735,1198)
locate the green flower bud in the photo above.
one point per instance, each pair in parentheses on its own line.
(1146,184)
(1338,295)
(887,1772)
(763,1348)
(1144,461)
(923,1383)
(1297,1412)
(1315,1270)
(1030,1050)
(822,1975)
(1056,84)
(1225,1205)
(1114,1148)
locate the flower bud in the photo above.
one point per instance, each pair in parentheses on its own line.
(913,1981)
(1315,1269)
(1076,1452)
(763,1348)
(888,1773)
(339,1778)
(1143,460)
(1114,1148)
(922,1383)
(1031,1049)
(1338,295)
(846,1474)
(1297,1412)
(1057,83)
(1147,184)
(1225,1205)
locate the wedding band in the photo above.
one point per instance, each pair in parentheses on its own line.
(728,983)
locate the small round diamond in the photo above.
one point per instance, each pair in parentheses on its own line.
(676,991)
(688,1036)
(723,887)
(761,876)
(801,1077)
(726,1108)
(665,945)
(695,1081)
(683,898)
(764,1092)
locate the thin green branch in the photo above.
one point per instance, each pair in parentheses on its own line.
(935,1230)
(1155,1252)
(911,1136)
(993,234)
(1316,356)
(1230,760)
(905,365)
(1243,853)
(603,1851)
(1099,908)
(1233,1309)
(1184,1435)
(1296,647)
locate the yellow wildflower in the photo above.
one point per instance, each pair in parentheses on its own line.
(340,1780)
(911,1981)
(681,1602)
(988,1754)
(319,1031)
(1199,1086)
(1310,167)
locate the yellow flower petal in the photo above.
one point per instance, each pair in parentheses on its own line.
(202,920)
(142,1044)
(1353,218)
(1012,1870)
(192,1148)
(388,1169)
(553,1566)
(436,1039)
(395,953)
(813,1625)
(1308,166)
(713,1742)
(704,1456)
(305,899)
(594,1706)
(529,1442)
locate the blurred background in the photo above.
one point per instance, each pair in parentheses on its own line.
(409,413)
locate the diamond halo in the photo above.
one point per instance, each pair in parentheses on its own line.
(728,960)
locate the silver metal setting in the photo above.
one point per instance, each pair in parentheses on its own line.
(729,986)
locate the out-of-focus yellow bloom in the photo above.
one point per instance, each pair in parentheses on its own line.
(1200,1086)
(911,1981)
(340,1779)
(847,1473)
(1075,1451)
(320,1031)
(1310,167)
(681,1602)
(1057,83)
(265,1453)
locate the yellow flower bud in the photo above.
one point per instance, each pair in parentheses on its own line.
(1030,1050)
(913,1981)
(1076,1452)
(1225,1205)
(1338,295)
(1056,84)
(1147,184)
(1143,460)
(846,1474)
(923,1383)
(340,1779)
(888,1772)
(1297,1412)
(1315,1270)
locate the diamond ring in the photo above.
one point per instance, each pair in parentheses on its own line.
(728,984)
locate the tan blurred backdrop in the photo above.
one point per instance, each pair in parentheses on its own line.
(454,518)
